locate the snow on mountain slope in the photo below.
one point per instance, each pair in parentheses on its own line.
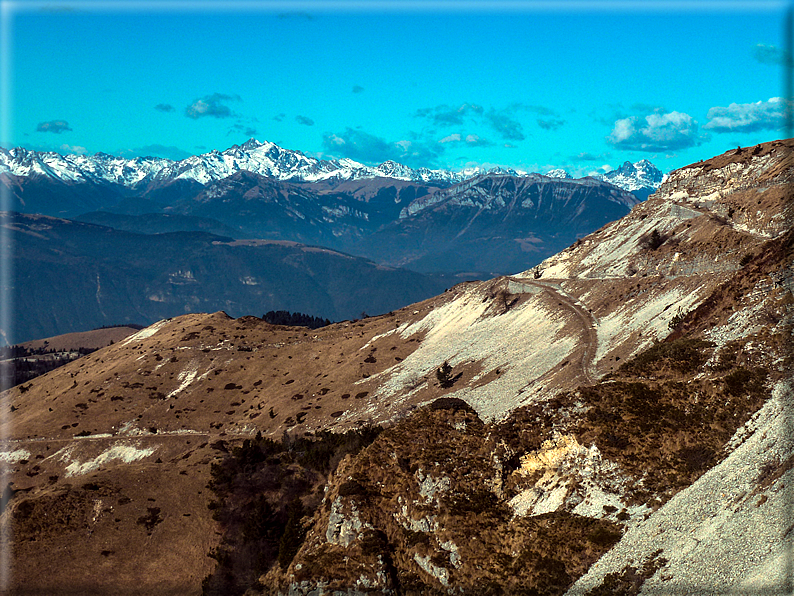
(266,159)
(641,177)
(263,158)
(79,168)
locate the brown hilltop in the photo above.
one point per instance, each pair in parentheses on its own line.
(126,435)
(94,339)
(211,373)
(745,155)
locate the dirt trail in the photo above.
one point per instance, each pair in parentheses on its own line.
(588,321)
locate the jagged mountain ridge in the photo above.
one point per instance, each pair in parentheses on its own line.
(496,222)
(263,158)
(260,190)
(641,178)
(633,176)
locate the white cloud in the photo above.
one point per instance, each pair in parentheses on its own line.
(477,141)
(747,117)
(211,105)
(471,140)
(453,138)
(73,149)
(659,131)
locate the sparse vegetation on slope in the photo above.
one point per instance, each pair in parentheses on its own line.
(418,511)
(653,387)
(263,489)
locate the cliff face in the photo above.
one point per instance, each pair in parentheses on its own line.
(496,223)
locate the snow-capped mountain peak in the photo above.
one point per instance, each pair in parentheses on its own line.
(642,175)
(268,159)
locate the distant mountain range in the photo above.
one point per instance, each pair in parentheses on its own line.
(445,225)
(266,159)
(260,190)
(495,223)
(641,178)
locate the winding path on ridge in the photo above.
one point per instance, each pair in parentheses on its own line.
(587,320)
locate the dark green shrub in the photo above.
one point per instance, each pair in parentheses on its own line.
(294,533)
(653,240)
(451,403)
(683,355)
(150,520)
(742,381)
(444,375)
(604,536)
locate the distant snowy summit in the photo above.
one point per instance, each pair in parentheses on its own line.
(266,159)
(641,178)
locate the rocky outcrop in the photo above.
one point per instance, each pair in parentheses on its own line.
(423,510)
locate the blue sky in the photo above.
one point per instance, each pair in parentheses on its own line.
(530,85)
